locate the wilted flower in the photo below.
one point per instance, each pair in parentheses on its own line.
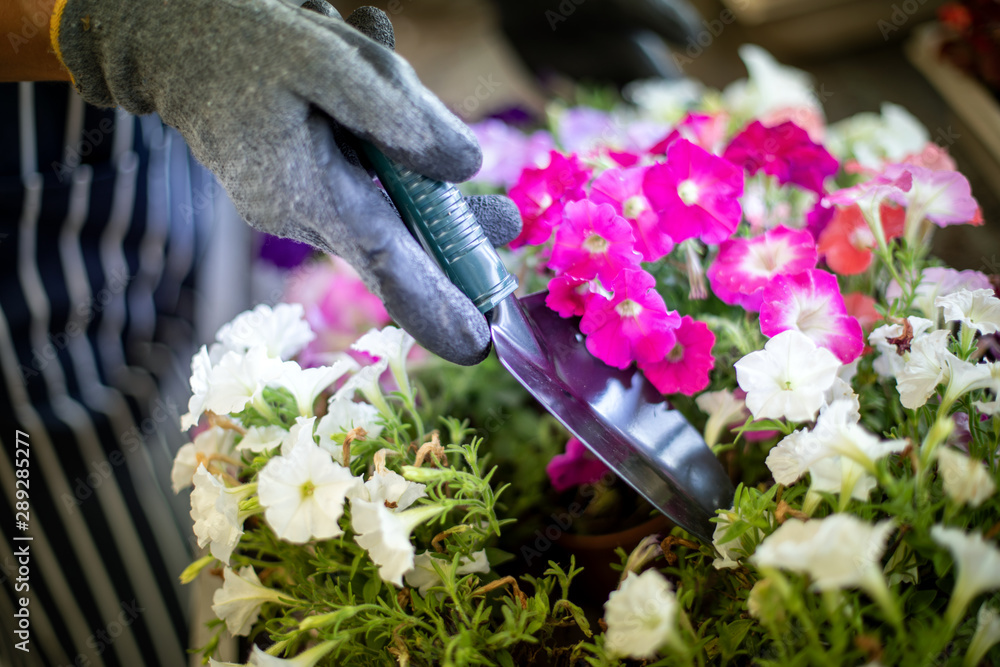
(342,416)
(723,409)
(206,446)
(641,616)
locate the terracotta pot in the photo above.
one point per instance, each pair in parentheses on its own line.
(595,553)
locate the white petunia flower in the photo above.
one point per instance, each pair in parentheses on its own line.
(923,370)
(977,562)
(641,616)
(966,481)
(215,509)
(240,378)
(393,345)
(964,377)
(840,551)
(788,378)
(343,415)
(201,369)
(385,535)
(303,492)
(874,139)
(391,489)
(840,434)
(791,457)
(986,636)
(262,438)
(308,658)
(723,409)
(300,432)
(366,381)
(306,384)
(282,331)
(239,600)
(770,86)
(423,576)
(207,444)
(979,309)
(889,361)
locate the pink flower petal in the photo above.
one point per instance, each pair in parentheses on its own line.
(593,242)
(696,194)
(541,194)
(811,302)
(622,189)
(944,197)
(568,295)
(575,467)
(784,151)
(633,325)
(744,266)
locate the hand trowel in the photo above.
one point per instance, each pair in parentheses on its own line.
(616,413)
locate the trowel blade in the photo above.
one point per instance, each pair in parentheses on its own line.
(616,413)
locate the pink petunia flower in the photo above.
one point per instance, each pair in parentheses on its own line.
(784,151)
(943,197)
(811,302)
(702,129)
(622,189)
(592,241)
(686,367)
(633,325)
(575,467)
(541,194)
(568,295)
(744,267)
(696,194)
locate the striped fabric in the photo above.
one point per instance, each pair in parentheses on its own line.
(102,219)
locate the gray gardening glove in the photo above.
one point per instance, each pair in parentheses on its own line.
(252,85)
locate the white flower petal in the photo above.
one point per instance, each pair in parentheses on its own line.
(641,616)
(282,331)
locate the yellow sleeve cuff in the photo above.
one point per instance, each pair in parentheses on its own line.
(54,22)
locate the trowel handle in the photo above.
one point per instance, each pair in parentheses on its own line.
(438,216)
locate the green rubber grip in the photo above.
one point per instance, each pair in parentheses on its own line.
(438,216)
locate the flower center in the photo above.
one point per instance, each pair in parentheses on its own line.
(676,354)
(308,489)
(688,192)
(544,201)
(596,244)
(862,238)
(635,206)
(628,308)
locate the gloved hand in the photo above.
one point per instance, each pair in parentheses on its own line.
(253,86)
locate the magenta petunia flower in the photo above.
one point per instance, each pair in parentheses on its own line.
(744,266)
(686,367)
(568,295)
(575,467)
(811,302)
(633,325)
(622,189)
(593,242)
(696,194)
(784,151)
(541,194)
